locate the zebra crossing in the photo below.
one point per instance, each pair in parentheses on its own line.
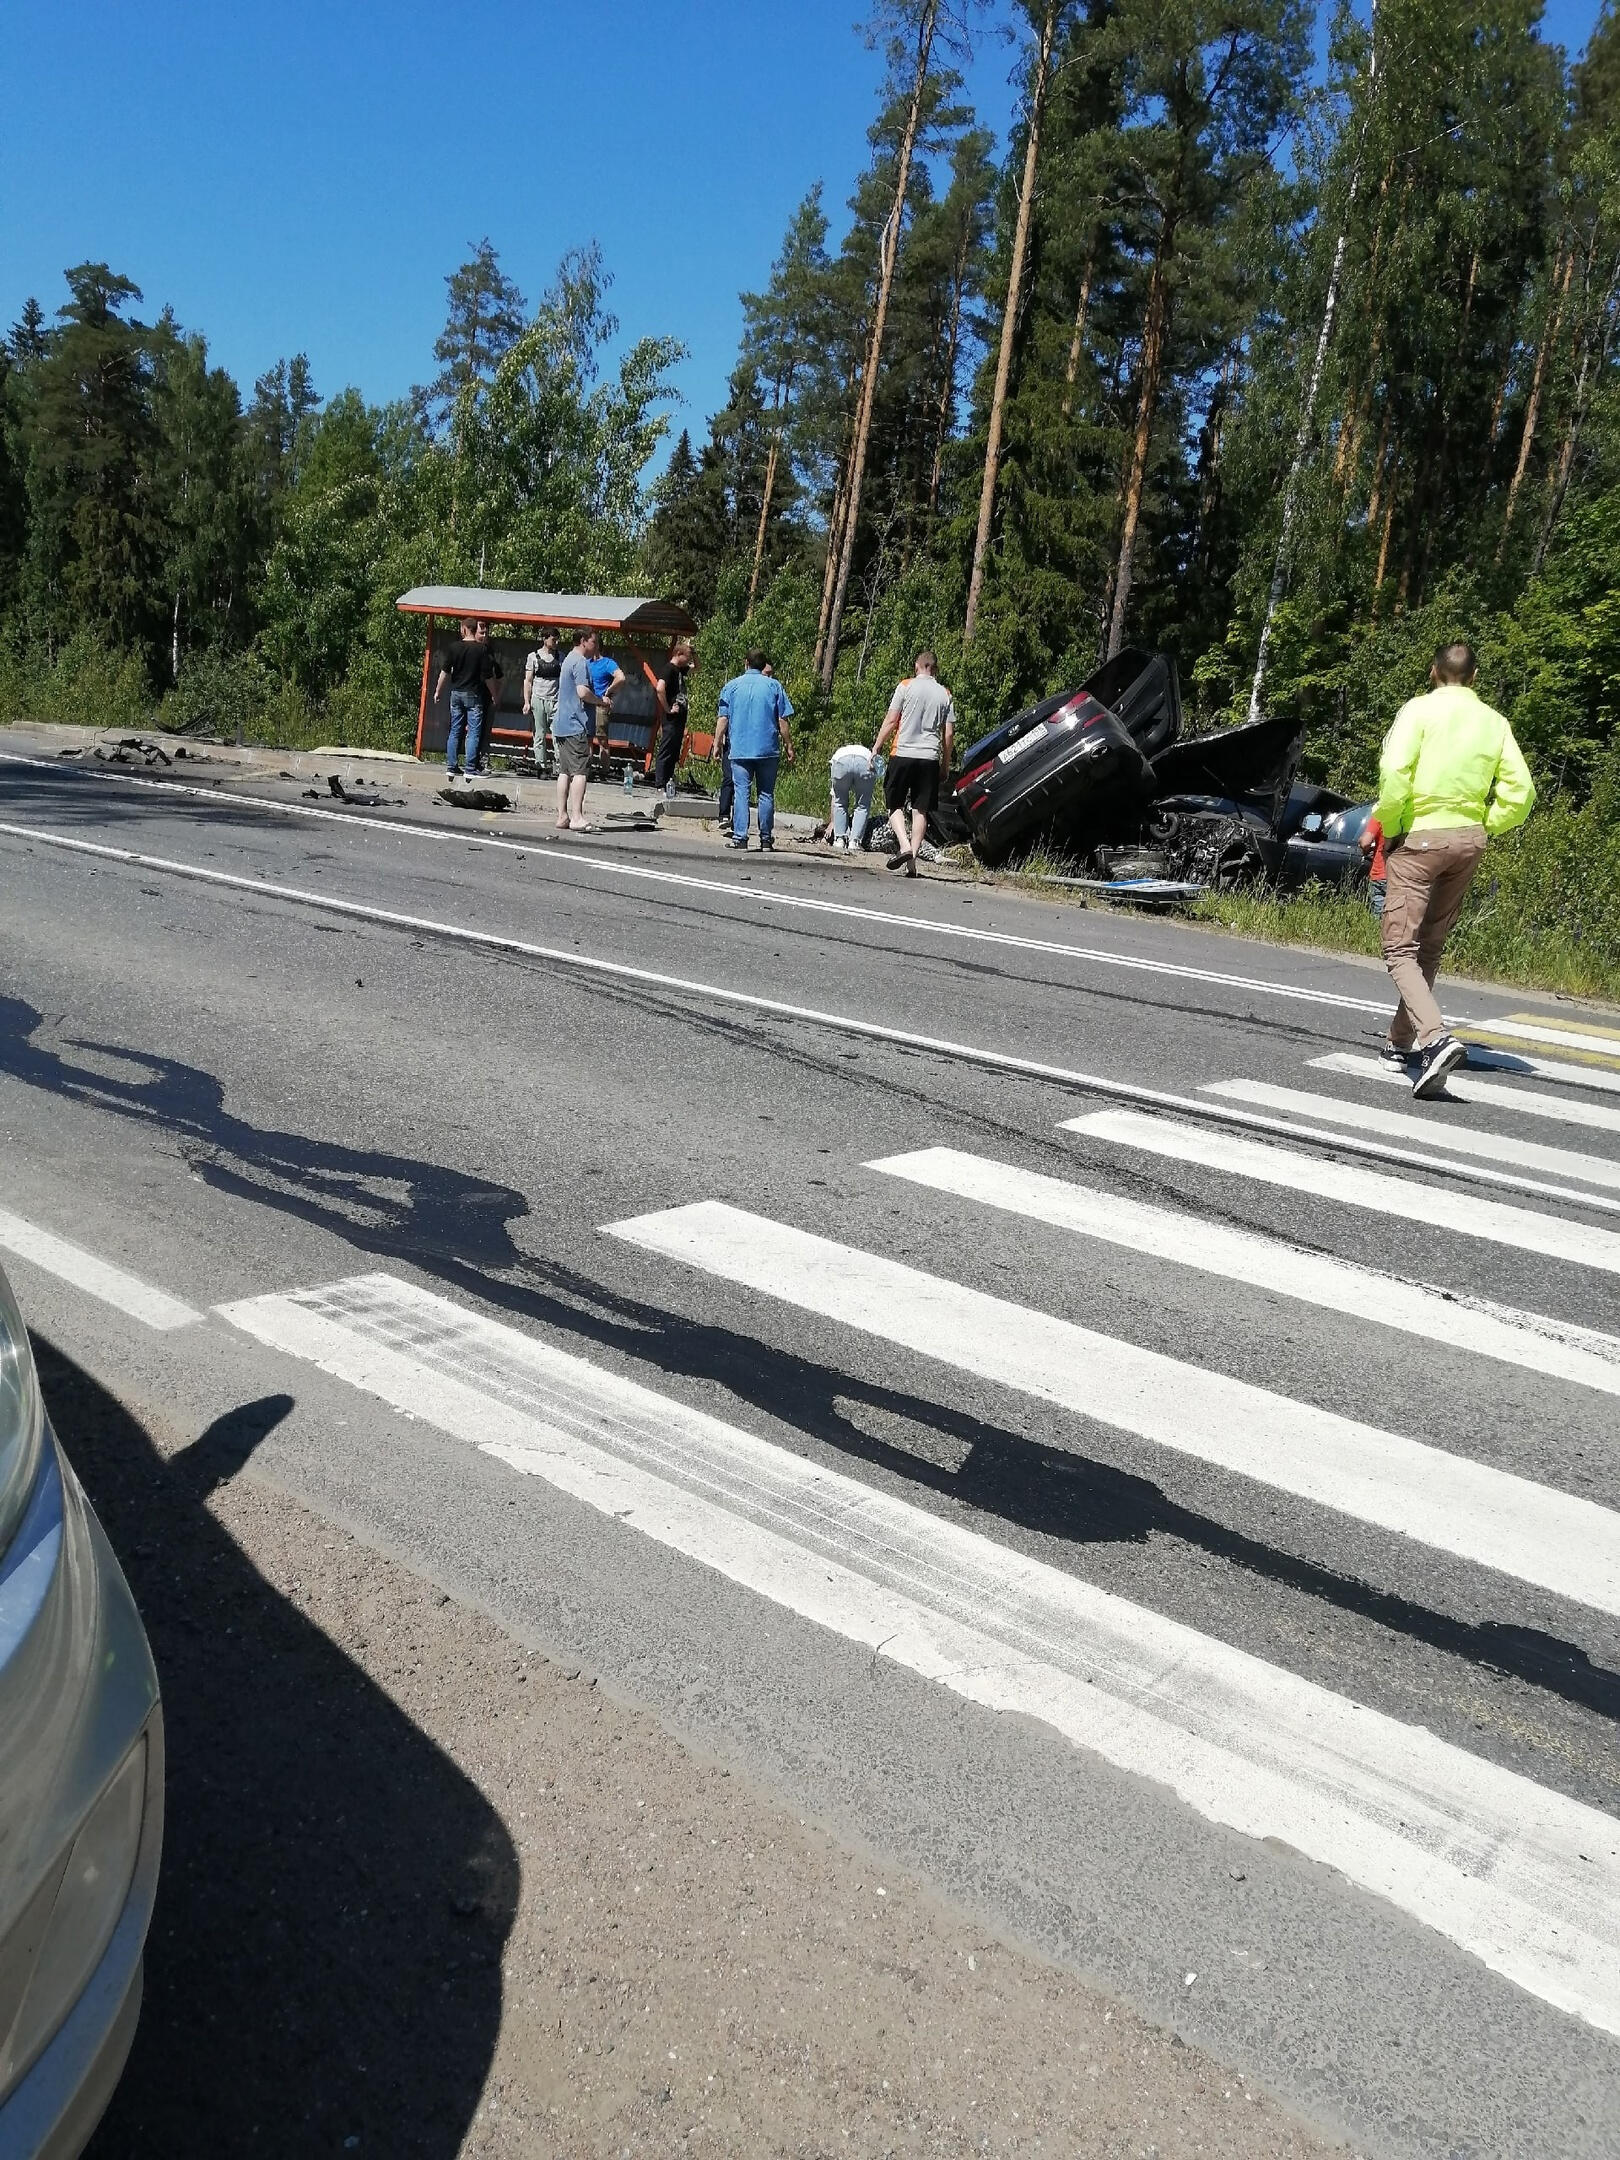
(1509,1868)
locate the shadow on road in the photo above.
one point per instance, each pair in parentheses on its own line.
(458,1229)
(324,1968)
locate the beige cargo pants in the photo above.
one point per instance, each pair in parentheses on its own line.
(1429,877)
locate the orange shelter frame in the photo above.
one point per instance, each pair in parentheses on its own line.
(632,623)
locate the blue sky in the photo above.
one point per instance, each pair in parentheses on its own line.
(302,176)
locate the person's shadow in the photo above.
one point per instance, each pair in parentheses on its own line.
(323,1972)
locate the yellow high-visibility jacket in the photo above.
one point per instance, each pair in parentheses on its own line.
(1450,760)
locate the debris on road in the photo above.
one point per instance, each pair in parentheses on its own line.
(369,798)
(478,798)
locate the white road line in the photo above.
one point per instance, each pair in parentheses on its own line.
(1481,1515)
(1535,1344)
(1436,1128)
(99,1278)
(1601,1044)
(1593,1078)
(1531,1102)
(844,1024)
(1402,1199)
(1519,1876)
(886,920)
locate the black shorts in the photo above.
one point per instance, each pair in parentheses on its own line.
(912,783)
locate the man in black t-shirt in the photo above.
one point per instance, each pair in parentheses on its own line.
(672,707)
(466,669)
(489,697)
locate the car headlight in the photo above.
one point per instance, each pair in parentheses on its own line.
(72,1917)
(21,1425)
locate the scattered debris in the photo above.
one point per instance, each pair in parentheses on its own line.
(132,750)
(632,820)
(70,753)
(477,798)
(368,798)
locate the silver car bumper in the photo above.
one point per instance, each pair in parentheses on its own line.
(81,1750)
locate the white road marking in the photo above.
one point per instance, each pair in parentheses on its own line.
(887,920)
(1536,1344)
(1602,1042)
(845,1024)
(1436,1128)
(1402,1199)
(99,1278)
(1482,1515)
(1531,1102)
(1593,1078)
(1521,1877)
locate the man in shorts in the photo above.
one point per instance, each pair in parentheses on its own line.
(571,732)
(922,721)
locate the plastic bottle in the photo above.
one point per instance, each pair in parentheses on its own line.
(629,779)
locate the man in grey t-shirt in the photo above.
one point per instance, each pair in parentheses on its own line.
(922,720)
(571,732)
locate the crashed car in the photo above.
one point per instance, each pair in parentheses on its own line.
(81,1785)
(1101,773)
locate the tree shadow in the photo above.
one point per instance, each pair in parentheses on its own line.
(459,1230)
(324,1963)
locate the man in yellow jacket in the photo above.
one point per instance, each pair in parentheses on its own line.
(1449,774)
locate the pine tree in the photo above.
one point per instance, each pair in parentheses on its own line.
(94,540)
(1209,85)
(484,320)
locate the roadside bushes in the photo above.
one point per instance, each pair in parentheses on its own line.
(84,684)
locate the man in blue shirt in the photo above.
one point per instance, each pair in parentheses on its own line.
(753,732)
(606,676)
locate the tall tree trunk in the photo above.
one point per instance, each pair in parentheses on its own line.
(835,543)
(1153,339)
(1383,544)
(1009,320)
(1307,411)
(1378,468)
(1077,341)
(764,513)
(1429,515)
(1498,402)
(1555,316)
(1572,434)
(174,642)
(888,255)
(947,387)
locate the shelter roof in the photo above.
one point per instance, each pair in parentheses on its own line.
(593,611)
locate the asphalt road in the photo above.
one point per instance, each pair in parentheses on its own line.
(422,1055)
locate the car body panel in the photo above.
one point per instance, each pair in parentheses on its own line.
(78,1696)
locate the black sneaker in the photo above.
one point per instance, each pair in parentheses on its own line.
(765,846)
(1397,1060)
(1440,1058)
(735,842)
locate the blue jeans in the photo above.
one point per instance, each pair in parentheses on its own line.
(466,711)
(853,779)
(745,772)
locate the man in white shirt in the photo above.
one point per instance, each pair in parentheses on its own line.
(922,721)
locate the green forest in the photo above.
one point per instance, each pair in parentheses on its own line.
(1293,370)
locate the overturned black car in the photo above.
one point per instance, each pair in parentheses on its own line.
(1102,775)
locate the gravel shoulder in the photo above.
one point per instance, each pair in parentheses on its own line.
(428,1892)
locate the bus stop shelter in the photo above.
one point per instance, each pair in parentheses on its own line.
(638,633)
